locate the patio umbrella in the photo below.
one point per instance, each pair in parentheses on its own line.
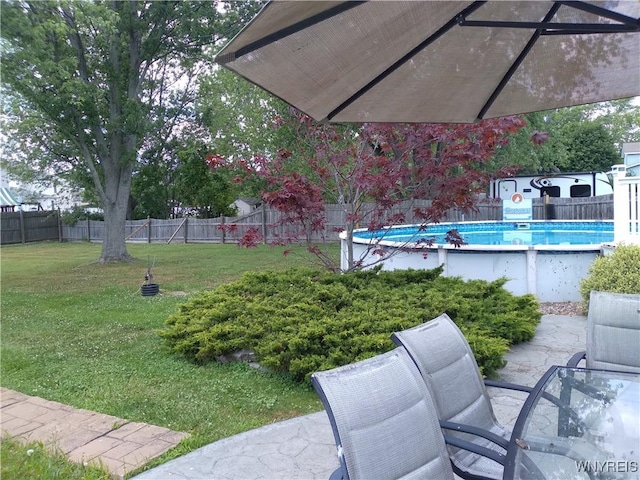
(439,61)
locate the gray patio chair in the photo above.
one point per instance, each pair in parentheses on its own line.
(613,333)
(449,369)
(384,421)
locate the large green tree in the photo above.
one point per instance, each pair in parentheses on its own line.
(152,188)
(621,118)
(239,115)
(590,147)
(581,138)
(528,157)
(242,121)
(94,76)
(202,192)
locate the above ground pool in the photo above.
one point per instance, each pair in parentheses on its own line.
(544,258)
(536,233)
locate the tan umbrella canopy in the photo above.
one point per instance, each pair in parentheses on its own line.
(439,61)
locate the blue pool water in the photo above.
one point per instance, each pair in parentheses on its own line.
(503,233)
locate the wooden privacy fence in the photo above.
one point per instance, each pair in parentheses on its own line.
(23,227)
(264,220)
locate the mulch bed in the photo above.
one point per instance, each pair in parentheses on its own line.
(563,308)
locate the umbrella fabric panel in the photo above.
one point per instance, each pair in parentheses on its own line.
(275,16)
(546,81)
(453,77)
(437,61)
(325,64)
(568,70)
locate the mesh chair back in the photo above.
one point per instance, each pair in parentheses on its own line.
(613,331)
(383,419)
(451,374)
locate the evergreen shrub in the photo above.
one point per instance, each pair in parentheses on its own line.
(302,320)
(616,273)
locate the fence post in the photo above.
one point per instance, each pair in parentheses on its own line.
(186,229)
(264,224)
(549,208)
(148,229)
(620,206)
(23,235)
(59,216)
(88,229)
(224,232)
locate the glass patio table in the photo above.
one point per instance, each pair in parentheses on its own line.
(578,423)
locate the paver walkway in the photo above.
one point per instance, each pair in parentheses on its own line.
(84,436)
(300,448)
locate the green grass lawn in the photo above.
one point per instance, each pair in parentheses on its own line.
(34,461)
(79,332)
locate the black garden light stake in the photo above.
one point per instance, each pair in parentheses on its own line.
(149,288)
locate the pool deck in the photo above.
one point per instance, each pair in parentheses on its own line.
(304,448)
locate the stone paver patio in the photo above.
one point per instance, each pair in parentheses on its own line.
(84,436)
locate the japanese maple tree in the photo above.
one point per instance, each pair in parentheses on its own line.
(370,170)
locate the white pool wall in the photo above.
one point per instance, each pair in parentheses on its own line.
(550,272)
(552,276)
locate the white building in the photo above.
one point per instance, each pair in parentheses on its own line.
(631,158)
(38,197)
(246,205)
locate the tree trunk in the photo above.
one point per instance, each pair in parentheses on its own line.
(114,246)
(350,260)
(349,228)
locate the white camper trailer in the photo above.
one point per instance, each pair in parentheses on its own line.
(565,185)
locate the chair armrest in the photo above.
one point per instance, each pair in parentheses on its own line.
(337,474)
(576,358)
(479,432)
(472,447)
(507,385)
(551,398)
